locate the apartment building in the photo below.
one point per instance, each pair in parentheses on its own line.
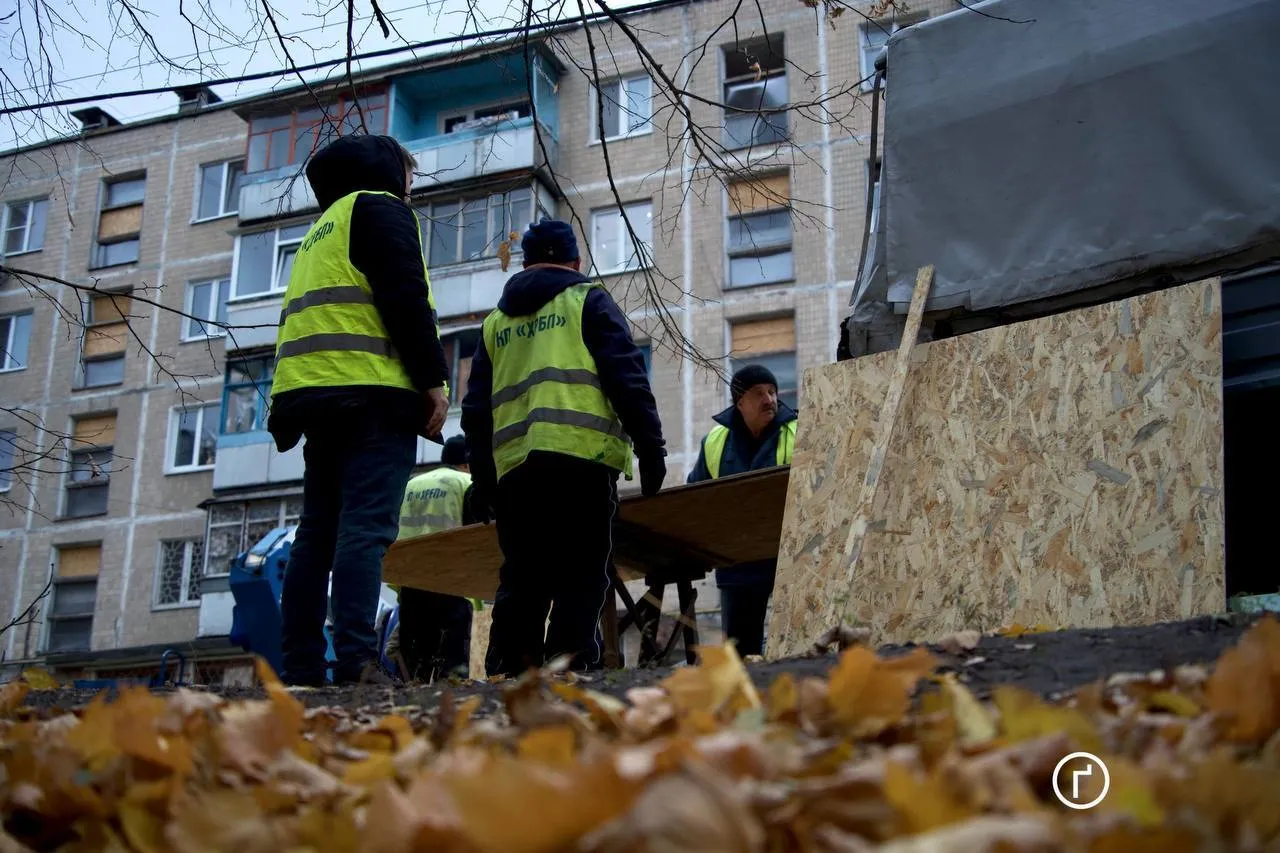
(744,243)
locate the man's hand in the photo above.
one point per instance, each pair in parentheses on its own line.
(653,470)
(481,505)
(437,408)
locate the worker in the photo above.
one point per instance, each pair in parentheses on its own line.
(435,629)
(360,373)
(757,431)
(557,402)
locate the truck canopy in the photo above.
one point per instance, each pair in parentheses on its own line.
(1037,147)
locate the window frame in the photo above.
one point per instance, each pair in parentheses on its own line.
(495,108)
(757,251)
(171,437)
(618,84)
(728,82)
(7,359)
(211,331)
(70,484)
(52,618)
(185,601)
(9,448)
(30,204)
(746,357)
(90,324)
(427,223)
(261,400)
(223,212)
(277,246)
(867,66)
(283,519)
(96,260)
(644,260)
(334,112)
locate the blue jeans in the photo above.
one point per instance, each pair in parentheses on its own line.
(351,494)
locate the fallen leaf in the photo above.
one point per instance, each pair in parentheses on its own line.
(40,679)
(718,684)
(974,725)
(1245,685)
(842,637)
(959,642)
(924,802)
(12,694)
(992,834)
(549,745)
(868,694)
(1023,715)
(1017,629)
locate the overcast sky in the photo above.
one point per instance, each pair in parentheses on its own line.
(86,59)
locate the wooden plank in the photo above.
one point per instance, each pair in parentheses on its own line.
(79,561)
(108,339)
(739,517)
(752,194)
(1065,470)
(761,337)
(885,423)
(95,431)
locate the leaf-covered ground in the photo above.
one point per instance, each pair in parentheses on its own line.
(944,749)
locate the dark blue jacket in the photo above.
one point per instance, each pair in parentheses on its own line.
(607,334)
(744,452)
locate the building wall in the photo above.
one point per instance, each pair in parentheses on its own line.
(145,503)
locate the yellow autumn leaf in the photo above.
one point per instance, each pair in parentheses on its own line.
(1174,703)
(365,772)
(974,724)
(40,679)
(1245,685)
(1130,792)
(549,745)
(923,802)
(718,684)
(12,694)
(868,694)
(1024,715)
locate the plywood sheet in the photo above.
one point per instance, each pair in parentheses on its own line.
(738,517)
(1066,470)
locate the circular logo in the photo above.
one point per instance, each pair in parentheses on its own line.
(1075,772)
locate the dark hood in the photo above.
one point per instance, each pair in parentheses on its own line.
(531,288)
(358,162)
(731,419)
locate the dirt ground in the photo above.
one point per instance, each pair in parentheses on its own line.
(1047,663)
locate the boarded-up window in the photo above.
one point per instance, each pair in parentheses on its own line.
(120,222)
(95,431)
(759,245)
(770,343)
(106,336)
(75,594)
(89,481)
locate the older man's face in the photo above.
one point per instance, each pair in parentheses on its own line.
(759,406)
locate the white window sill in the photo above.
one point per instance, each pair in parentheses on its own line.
(782,282)
(250,298)
(13,369)
(199,339)
(188,469)
(8,255)
(228,215)
(182,605)
(621,271)
(622,137)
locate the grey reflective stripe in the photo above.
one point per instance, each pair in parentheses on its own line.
(567,417)
(576,376)
(440,522)
(347,294)
(336,342)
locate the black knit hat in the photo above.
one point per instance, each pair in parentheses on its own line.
(549,242)
(455,451)
(748,377)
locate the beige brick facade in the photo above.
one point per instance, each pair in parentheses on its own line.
(824,160)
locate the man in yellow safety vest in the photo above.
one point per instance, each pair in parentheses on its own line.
(360,373)
(558,400)
(757,431)
(435,629)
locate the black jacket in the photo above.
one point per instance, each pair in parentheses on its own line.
(385,246)
(619,364)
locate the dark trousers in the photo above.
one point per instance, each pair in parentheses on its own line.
(555,517)
(744,604)
(435,634)
(351,492)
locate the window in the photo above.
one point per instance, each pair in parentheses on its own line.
(246,395)
(219,189)
(628,108)
(89,480)
(279,140)
(207,301)
(459,347)
(8,458)
(265,260)
(471,229)
(872,37)
(612,247)
(755,94)
(193,437)
(120,222)
(24,226)
(235,527)
(15,337)
(106,335)
(772,344)
(759,238)
(486,117)
(178,574)
(75,594)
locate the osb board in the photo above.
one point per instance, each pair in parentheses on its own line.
(1065,470)
(737,517)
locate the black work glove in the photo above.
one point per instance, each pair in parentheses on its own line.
(481,506)
(653,470)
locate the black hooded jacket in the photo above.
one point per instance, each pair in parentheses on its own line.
(607,335)
(385,246)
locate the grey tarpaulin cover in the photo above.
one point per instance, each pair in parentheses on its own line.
(1094,141)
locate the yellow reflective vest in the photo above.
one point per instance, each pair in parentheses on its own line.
(713,446)
(546,393)
(330,331)
(433,502)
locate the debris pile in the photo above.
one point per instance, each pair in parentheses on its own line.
(886,754)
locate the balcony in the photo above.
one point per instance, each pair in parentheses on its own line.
(463,121)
